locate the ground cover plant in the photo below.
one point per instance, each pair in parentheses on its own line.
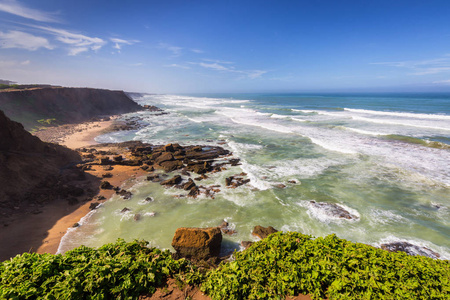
(282,264)
(114,271)
(293,263)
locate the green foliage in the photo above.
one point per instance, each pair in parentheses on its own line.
(283,264)
(121,270)
(47,121)
(293,263)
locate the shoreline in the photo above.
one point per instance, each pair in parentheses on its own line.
(42,232)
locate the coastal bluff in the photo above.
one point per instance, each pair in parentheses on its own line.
(26,162)
(41,106)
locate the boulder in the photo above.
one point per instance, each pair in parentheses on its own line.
(263,232)
(410,249)
(172,181)
(105,185)
(246,244)
(333,210)
(104,160)
(189,185)
(170,166)
(166,156)
(118,158)
(197,243)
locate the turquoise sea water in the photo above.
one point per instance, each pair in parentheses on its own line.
(385,158)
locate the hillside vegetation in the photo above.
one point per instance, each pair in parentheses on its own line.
(283,264)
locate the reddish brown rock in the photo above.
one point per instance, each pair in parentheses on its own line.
(197,243)
(166,156)
(263,232)
(172,181)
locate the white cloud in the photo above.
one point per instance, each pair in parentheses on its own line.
(197,51)
(176,51)
(219,66)
(445,82)
(23,40)
(176,66)
(25,62)
(119,42)
(15,8)
(422,67)
(78,42)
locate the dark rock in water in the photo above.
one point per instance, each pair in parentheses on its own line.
(170,166)
(106,185)
(197,243)
(75,225)
(189,185)
(246,244)
(124,210)
(94,205)
(228,180)
(124,194)
(185,173)
(263,232)
(224,227)
(234,161)
(280,186)
(149,199)
(333,210)
(410,249)
(153,177)
(137,217)
(118,158)
(152,108)
(172,181)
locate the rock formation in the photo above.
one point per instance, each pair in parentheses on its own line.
(197,243)
(27,163)
(57,105)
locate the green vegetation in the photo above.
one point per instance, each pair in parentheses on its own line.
(47,121)
(121,270)
(283,264)
(293,263)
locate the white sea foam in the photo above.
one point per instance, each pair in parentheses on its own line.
(386,216)
(444,253)
(400,114)
(325,214)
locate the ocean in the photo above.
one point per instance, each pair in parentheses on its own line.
(384,158)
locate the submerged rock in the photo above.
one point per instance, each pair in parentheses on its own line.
(172,181)
(333,210)
(263,232)
(410,249)
(197,243)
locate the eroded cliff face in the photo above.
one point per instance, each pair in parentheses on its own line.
(59,105)
(27,163)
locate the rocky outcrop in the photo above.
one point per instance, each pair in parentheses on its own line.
(263,232)
(26,163)
(197,243)
(60,105)
(333,210)
(410,249)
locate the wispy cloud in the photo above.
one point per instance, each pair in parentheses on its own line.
(224,66)
(422,67)
(176,51)
(198,51)
(444,82)
(12,63)
(18,9)
(77,42)
(176,66)
(118,43)
(23,40)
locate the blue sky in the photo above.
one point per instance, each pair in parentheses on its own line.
(228,46)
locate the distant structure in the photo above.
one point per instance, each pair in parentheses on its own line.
(8,82)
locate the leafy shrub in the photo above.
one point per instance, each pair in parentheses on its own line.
(294,263)
(120,270)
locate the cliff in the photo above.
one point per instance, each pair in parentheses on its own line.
(40,106)
(26,163)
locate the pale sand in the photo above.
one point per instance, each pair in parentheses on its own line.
(42,232)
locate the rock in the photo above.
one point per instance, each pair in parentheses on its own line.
(333,210)
(104,160)
(170,166)
(225,229)
(152,108)
(234,161)
(189,185)
(185,173)
(197,149)
(137,217)
(172,181)
(153,177)
(149,199)
(124,194)
(246,244)
(94,205)
(197,243)
(75,225)
(105,185)
(228,180)
(280,186)
(124,210)
(107,168)
(410,249)
(294,181)
(118,158)
(168,148)
(166,156)
(263,232)
(107,175)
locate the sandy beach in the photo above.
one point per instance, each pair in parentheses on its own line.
(43,231)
